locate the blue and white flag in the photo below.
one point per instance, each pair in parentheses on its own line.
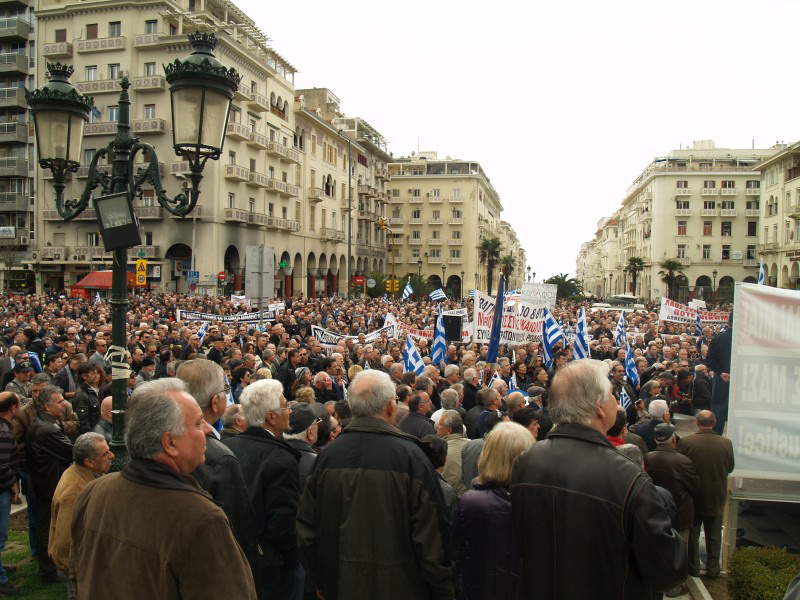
(471,293)
(439,348)
(698,326)
(495,377)
(412,359)
(624,399)
(201,333)
(630,366)
(407,291)
(512,384)
(497,322)
(97,299)
(386,298)
(620,339)
(580,348)
(35,362)
(438,295)
(761,275)
(551,335)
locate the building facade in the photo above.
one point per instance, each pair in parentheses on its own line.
(699,206)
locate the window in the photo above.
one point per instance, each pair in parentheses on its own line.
(709,204)
(271,209)
(775,233)
(705,166)
(709,184)
(753,184)
(435,234)
(751,228)
(681,227)
(113,71)
(115,29)
(151,26)
(88,155)
(416,235)
(706,252)
(728,184)
(456,193)
(416,214)
(231,200)
(173,30)
(415,253)
(113,113)
(436,253)
(753,205)
(312,218)
(435,193)
(414,193)
(437,214)
(455,253)
(148,238)
(682,184)
(395,193)
(726,229)
(456,214)
(456,235)
(91,73)
(750,252)
(91,31)
(728,205)
(150,69)
(681,250)
(149,111)
(726,252)
(682,204)
(231,157)
(92,239)
(148,197)
(61,35)
(766,234)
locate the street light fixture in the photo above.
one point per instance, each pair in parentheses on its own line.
(444,285)
(529,272)
(419,267)
(714,286)
(201,91)
(461,287)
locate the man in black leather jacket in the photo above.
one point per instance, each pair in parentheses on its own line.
(591,510)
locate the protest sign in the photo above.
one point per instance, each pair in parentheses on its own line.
(193,315)
(331,338)
(521,324)
(680,313)
(540,295)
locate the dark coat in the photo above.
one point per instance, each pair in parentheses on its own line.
(646,431)
(471,421)
(701,393)
(307,459)
(712,457)
(221,476)
(286,375)
(488,563)
(270,469)
(86,405)
(399,552)
(417,425)
(470,396)
(48,453)
(675,472)
(576,471)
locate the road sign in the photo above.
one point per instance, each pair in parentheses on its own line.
(140,279)
(283,264)
(192,276)
(222,275)
(358,280)
(370,283)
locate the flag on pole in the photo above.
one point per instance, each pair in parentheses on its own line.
(408,290)
(630,366)
(471,293)
(761,275)
(439,348)
(201,333)
(438,295)
(495,377)
(497,321)
(386,298)
(619,333)
(580,348)
(36,362)
(624,399)
(551,335)
(411,358)
(698,326)
(97,298)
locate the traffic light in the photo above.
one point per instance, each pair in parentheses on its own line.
(382,225)
(392,285)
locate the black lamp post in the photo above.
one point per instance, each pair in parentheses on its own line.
(529,272)
(444,285)
(419,267)
(461,287)
(714,286)
(534,277)
(201,90)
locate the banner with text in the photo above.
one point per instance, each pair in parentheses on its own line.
(521,324)
(330,338)
(539,295)
(466,330)
(193,315)
(764,403)
(680,313)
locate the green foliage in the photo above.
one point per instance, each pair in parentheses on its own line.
(635,266)
(419,285)
(761,573)
(670,270)
(380,285)
(489,255)
(507,264)
(568,287)
(17,553)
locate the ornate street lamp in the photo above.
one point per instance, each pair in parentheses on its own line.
(461,287)
(201,90)
(419,268)
(444,285)
(529,272)
(714,286)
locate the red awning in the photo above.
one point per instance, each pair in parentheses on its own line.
(96,280)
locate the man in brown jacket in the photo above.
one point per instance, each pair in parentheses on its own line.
(151,531)
(712,456)
(91,459)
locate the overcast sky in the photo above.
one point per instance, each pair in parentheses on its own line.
(563,103)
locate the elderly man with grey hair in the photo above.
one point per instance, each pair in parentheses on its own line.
(450,401)
(658,410)
(271,472)
(470,383)
(220,474)
(578,470)
(91,458)
(451,428)
(132,527)
(399,551)
(452,375)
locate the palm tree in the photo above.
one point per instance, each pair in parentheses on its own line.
(419,284)
(379,288)
(489,255)
(507,264)
(635,266)
(670,271)
(567,286)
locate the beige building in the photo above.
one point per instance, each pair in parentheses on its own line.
(779,230)
(439,211)
(698,205)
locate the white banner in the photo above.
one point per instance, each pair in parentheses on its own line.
(240,300)
(522,322)
(540,295)
(193,315)
(764,402)
(680,313)
(330,338)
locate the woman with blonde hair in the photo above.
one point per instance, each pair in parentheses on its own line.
(264,373)
(353,371)
(488,564)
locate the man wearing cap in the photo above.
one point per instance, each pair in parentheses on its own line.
(20,385)
(87,400)
(302,436)
(147,372)
(217,349)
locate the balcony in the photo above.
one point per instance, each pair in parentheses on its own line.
(283,188)
(415,199)
(709,212)
(145,126)
(709,192)
(456,200)
(237,173)
(395,221)
(12,98)
(14,30)
(396,200)
(242,92)
(686,262)
(728,212)
(258,102)
(683,192)
(179,167)
(434,241)
(14,133)
(14,63)
(752,191)
(382,174)
(331,235)
(434,221)
(455,221)
(98,86)
(150,83)
(750,262)
(101,44)
(149,252)
(54,252)
(258,219)
(89,252)
(434,260)
(100,128)
(17,4)
(258,140)
(752,212)
(728,191)
(683,212)
(282,152)
(13,167)
(415,221)
(237,131)
(83,171)
(455,261)
(11,202)
(149,212)
(455,242)
(435,199)
(315,195)
(290,226)
(235,215)
(767,247)
(415,241)
(367,190)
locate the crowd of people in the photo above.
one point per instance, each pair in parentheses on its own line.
(266,465)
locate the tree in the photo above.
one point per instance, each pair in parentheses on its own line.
(380,285)
(567,286)
(670,271)
(507,264)
(418,283)
(489,255)
(635,266)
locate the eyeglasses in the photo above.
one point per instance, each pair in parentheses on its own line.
(226,390)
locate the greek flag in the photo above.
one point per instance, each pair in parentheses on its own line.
(630,366)
(624,399)
(438,295)
(619,333)
(97,299)
(36,362)
(551,335)
(512,384)
(761,275)
(580,348)
(497,322)
(471,293)
(411,358)
(201,333)
(439,348)
(495,377)
(386,298)
(698,327)
(407,291)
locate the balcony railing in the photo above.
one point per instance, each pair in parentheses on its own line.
(315,195)
(793,211)
(258,102)
(258,140)
(100,128)
(415,221)
(101,44)
(686,262)
(434,260)
(13,62)
(145,40)
(416,199)
(455,221)
(150,83)
(14,28)
(434,221)
(728,191)
(98,86)
(752,191)
(55,252)
(236,215)
(415,241)
(752,212)
(149,252)
(12,97)
(683,192)
(57,50)
(13,202)
(237,173)
(13,167)
(709,192)
(434,241)
(455,242)
(145,126)
(282,152)
(396,200)
(728,212)
(237,131)
(455,261)
(709,212)
(455,200)
(683,212)
(767,247)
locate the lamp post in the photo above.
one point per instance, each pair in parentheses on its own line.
(529,273)
(534,277)
(201,91)
(349,209)
(461,287)
(714,286)
(419,267)
(444,285)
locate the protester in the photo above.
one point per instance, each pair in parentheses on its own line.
(9,487)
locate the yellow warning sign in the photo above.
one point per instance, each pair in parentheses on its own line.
(141,273)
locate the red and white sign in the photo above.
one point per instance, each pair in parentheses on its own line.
(358,280)
(680,313)
(222,275)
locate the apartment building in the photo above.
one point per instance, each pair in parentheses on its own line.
(779,229)
(511,246)
(698,205)
(17,72)
(439,211)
